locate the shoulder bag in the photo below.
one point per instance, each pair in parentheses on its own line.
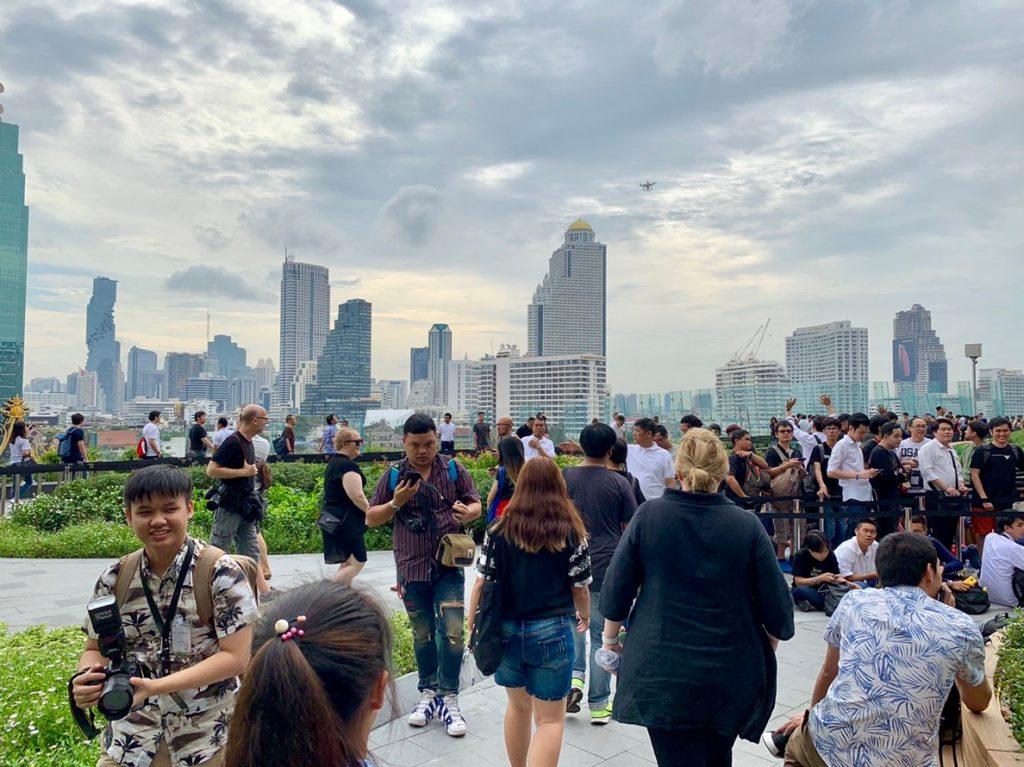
(486,642)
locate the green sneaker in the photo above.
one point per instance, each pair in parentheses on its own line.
(572,702)
(601,716)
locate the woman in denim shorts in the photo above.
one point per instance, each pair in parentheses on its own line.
(537,551)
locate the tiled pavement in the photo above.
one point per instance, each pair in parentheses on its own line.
(54,592)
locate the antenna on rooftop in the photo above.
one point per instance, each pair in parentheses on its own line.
(207,325)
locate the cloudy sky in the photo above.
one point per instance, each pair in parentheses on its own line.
(815,161)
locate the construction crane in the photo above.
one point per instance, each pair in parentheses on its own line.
(749,351)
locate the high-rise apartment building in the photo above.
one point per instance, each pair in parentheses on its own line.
(104,351)
(305,318)
(209,388)
(439,355)
(919,362)
(228,356)
(266,374)
(343,370)
(392,393)
(13,263)
(829,359)
(142,373)
(418,367)
(568,314)
(178,368)
(1000,392)
(749,392)
(304,377)
(87,390)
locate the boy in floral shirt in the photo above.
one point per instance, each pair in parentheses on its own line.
(179,715)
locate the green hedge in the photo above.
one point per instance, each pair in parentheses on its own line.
(1009,677)
(85,518)
(35,665)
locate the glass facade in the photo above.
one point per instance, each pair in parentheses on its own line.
(13,262)
(342,382)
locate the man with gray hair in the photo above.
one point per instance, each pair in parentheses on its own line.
(234,464)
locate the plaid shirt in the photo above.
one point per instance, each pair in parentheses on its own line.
(194,722)
(415,550)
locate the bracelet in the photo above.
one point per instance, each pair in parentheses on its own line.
(610,641)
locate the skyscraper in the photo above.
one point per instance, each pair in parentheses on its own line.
(266,374)
(229,356)
(142,373)
(829,359)
(750,391)
(919,363)
(178,368)
(343,371)
(104,357)
(569,308)
(305,318)
(418,356)
(439,355)
(13,263)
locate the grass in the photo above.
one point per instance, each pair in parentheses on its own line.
(34,668)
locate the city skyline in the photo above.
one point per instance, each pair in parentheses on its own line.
(811,154)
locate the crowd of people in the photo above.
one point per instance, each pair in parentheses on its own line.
(647,579)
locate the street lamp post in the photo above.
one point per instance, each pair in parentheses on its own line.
(973,353)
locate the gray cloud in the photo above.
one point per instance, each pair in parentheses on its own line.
(211,237)
(201,280)
(411,216)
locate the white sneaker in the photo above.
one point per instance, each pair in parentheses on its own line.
(451,715)
(425,710)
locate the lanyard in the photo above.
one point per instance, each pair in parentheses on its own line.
(163,622)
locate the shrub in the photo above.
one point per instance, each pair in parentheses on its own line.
(1009,676)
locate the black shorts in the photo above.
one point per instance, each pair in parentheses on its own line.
(346,541)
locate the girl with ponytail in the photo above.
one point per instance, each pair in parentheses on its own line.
(320,672)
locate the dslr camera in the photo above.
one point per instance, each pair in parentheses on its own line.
(116,698)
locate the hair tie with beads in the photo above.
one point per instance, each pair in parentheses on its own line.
(289,629)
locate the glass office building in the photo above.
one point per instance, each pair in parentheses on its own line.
(13,262)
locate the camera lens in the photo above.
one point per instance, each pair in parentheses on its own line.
(116,699)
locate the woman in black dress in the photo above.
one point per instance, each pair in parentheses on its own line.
(343,521)
(698,669)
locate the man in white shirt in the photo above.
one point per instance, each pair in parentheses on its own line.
(537,443)
(619,426)
(1003,555)
(446,433)
(942,474)
(650,464)
(847,465)
(151,436)
(808,440)
(908,451)
(222,433)
(856,556)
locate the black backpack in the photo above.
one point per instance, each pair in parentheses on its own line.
(280,448)
(833,593)
(974,601)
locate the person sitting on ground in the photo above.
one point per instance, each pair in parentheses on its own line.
(814,566)
(317,679)
(343,523)
(510,463)
(200,675)
(893,654)
(952,568)
(856,555)
(1003,556)
(617,463)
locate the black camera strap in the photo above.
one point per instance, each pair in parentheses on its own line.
(163,622)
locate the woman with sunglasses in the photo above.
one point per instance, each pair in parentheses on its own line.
(343,521)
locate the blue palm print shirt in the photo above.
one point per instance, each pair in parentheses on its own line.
(899,653)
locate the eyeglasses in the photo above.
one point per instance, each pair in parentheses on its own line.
(354,441)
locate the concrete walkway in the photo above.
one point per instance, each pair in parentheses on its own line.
(54,592)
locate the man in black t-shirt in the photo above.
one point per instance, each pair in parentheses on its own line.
(814,566)
(832,497)
(240,508)
(198,441)
(526,428)
(891,475)
(606,502)
(77,454)
(994,468)
(481,432)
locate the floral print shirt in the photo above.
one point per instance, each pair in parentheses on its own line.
(193,722)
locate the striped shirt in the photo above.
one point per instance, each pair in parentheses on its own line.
(415,538)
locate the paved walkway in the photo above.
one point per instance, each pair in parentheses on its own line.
(54,592)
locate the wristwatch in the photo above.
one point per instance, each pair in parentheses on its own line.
(395,508)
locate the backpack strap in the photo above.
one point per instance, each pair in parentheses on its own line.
(203,573)
(125,575)
(453,471)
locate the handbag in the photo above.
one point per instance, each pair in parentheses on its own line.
(833,593)
(486,641)
(974,601)
(328,522)
(456,550)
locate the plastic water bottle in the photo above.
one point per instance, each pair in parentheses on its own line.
(608,660)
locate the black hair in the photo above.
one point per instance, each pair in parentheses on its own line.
(447,415)
(819,422)
(845,417)
(919,519)
(198,414)
(891,416)
(999,421)
(597,439)
(19,430)
(785,425)
(511,455)
(328,419)
(541,416)
(944,420)
(888,428)
(645,424)
(161,480)
(419,423)
(876,423)
(692,420)
(980,429)
(619,452)
(661,431)
(77,419)
(856,420)
(716,429)
(737,434)
(480,412)
(222,421)
(154,414)
(815,541)
(1005,520)
(831,421)
(867,521)
(903,558)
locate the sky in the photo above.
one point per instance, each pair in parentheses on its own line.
(816,161)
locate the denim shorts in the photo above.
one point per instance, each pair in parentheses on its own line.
(538,656)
